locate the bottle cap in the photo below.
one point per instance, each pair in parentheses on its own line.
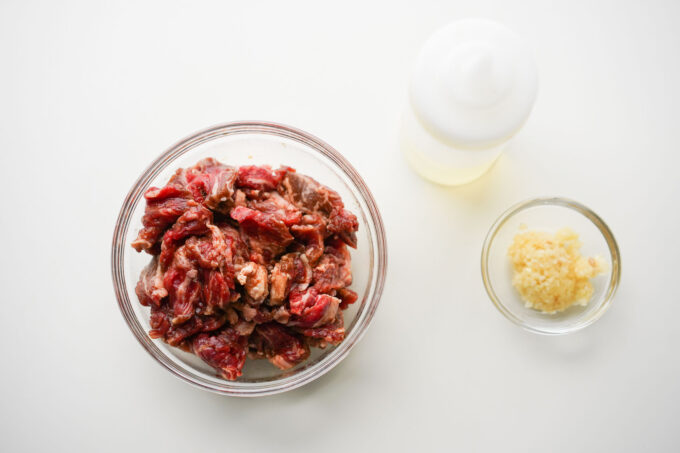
(474,83)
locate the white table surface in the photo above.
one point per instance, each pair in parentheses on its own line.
(91,92)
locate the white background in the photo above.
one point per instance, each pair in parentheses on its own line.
(91,92)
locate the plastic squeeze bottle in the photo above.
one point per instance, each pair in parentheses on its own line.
(472,88)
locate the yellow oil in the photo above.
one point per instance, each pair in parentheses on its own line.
(439,162)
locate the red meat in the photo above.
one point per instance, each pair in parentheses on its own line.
(308,195)
(266,235)
(248,262)
(292,270)
(314,198)
(216,291)
(334,270)
(150,289)
(163,207)
(331,333)
(181,282)
(262,178)
(345,225)
(225,351)
(194,221)
(212,184)
(347,297)
(311,232)
(274,204)
(280,345)
(312,309)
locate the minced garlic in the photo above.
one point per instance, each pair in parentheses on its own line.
(550,273)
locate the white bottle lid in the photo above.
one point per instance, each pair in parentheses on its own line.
(474,83)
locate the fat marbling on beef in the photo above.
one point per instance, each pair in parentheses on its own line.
(247,262)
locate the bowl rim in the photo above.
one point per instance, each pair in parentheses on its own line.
(615,259)
(376,236)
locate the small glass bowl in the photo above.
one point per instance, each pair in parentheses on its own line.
(549,214)
(254,143)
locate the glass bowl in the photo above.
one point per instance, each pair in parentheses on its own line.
(549,214)
(254,143)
